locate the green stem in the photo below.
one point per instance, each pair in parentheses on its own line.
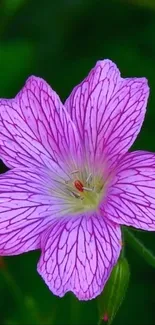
(139,247)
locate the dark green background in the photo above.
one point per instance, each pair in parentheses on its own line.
(60,41)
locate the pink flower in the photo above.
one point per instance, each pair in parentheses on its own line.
(72,182)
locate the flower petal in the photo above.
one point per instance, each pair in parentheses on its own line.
(108,110)
(35,127)
(78,255)
(131,197)
(26,209)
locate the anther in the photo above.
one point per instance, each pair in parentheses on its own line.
(78,185)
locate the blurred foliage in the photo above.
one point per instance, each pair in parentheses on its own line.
(18,56)
(144,3)
(61,40)
(11,6)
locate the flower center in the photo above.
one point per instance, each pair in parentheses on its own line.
(84,191)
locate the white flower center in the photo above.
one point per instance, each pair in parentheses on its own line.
(82,192)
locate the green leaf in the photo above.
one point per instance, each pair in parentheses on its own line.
(136,244)
(112,296)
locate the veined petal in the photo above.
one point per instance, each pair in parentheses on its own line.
(131,197)
(78,255)
(108,111)
(26,209)
(35,127)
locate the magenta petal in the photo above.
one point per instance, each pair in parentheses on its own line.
(131,197)
(35,127)
(26,209)
(78,254)
(108,110)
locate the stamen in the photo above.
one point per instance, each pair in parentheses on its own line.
(89,178)
(75,171)
(87,189)
(75,195)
